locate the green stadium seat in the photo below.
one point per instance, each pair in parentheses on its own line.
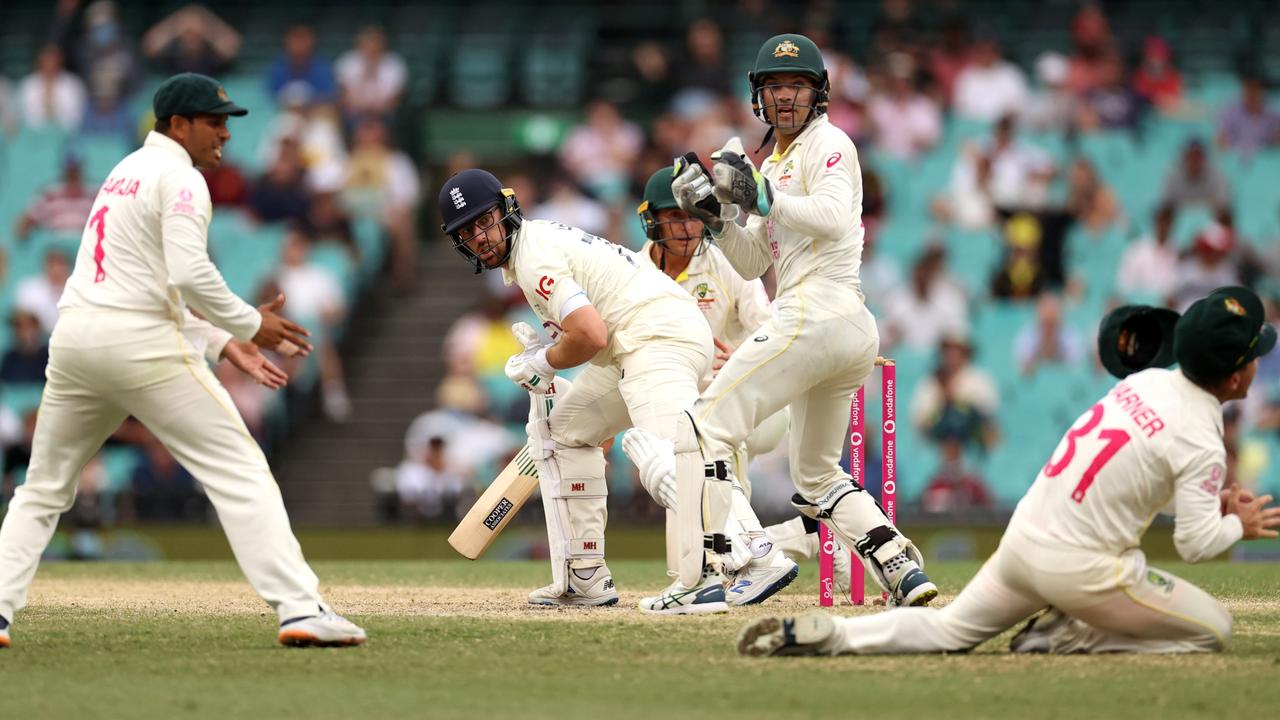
(21,398)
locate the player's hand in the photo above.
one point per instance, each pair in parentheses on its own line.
(526,336)
(736,181)
(278,333)
(692,189)
(531,371)
(723,351)
(1259,521)
(249,359)
(1244,495)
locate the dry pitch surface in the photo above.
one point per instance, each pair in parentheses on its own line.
(455,639)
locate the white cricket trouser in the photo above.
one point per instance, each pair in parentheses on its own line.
(813,353)
(104,368)
(648,387)
(1124,606)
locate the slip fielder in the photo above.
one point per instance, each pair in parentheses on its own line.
(647,346)
(1151,444)
(126,344)
(803,215)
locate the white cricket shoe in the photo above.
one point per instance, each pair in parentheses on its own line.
(1049,631)
(326,630)
(707,597)
(595,591)
(909,586)
(761,578)
(802,635)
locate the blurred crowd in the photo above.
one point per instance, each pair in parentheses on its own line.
(326,160)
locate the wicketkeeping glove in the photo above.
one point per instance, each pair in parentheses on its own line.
(692,188)
(736,181)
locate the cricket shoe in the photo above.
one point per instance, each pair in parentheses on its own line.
(774,636)
(707,597)
(596,590)
(326,630)
(908,585)
(4,633)
(1046,632)
(761,578)
(799,543)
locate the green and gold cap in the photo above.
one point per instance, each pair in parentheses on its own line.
(193,94)
(1221,333)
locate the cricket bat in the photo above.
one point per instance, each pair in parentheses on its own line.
(495,508)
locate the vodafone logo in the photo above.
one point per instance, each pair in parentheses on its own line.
(833,159)
(855,439)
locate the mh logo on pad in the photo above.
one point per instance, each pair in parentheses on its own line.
(499,511)
(459,202)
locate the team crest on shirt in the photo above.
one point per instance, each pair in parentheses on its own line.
(705,295)
(1213,484)
(786,48)
(1234,307)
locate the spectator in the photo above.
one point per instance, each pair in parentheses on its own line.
(8,108)
(428,487)
(966,201)
(566,204)
(384,182)
(280,194)
(954,489)
(163,490)
(846,106)
(1089,200)
(1091,35)
(703,76)
(315,298)
(299,64)
(600,152)
(109,67)
(989,87)
(1051,108)
(24,363)
(897,29)
(1195,181)
(930,307)
(61,208)
(1208,266)
(1020,172)
(1021,274)
(372,78)
(1249,126)
(313,125)
(948,58)
(51,96)
(327,221)
(1157,81)
(1111,104)
(956,388)
(1046,340)
(649,86)
(39,294)
(907,123)
(1148,266)
(192,39)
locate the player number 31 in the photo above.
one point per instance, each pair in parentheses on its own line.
(1114,439)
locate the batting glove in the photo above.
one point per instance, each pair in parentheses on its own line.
(655,458)
(736,181)
(692,189)
(531,371)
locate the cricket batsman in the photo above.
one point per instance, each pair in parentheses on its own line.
(803,214)
(678,244)
(127,344)
(1071,552)
(647,346)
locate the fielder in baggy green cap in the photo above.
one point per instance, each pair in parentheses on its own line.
(1222,333)
(193,94)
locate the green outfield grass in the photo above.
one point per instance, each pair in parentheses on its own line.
(454,639)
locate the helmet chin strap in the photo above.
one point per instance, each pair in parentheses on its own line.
(767,137)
